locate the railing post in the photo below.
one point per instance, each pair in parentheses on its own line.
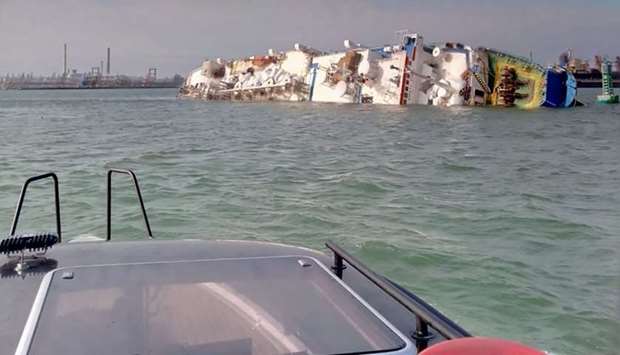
(338,265)
(109,209)
(20,202)
(134,178)
(421,335)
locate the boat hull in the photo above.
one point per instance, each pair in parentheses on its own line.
(20,292)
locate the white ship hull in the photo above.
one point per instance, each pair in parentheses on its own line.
(410,72)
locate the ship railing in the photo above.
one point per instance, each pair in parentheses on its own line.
(426,315)
(110,172)
(134,179)
(22,195)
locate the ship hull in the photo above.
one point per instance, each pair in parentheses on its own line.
(408,73)
(561,88)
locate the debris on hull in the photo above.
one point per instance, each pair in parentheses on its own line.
(410,72)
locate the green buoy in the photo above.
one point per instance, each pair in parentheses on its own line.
(608,96)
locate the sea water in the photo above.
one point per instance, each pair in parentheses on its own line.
(508,221)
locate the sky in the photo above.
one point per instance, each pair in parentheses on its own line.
(175,36)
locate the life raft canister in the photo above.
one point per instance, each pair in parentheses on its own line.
(480,346)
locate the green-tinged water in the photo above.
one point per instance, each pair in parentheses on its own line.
(508,221)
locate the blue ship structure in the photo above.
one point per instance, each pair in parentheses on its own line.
(561,88)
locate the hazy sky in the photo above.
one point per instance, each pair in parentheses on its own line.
(175,36)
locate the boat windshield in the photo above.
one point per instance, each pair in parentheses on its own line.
(275,305)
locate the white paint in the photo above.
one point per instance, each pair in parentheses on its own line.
(439,76)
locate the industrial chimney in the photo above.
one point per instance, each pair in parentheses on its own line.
(107,71)
(65,71)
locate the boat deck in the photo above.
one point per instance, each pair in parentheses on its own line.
(19,292)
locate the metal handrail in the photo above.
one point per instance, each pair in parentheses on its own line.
(426,315)
(109,212)
(20,202)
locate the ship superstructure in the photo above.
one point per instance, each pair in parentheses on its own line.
(406,73)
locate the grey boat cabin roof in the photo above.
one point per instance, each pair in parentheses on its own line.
(257,305)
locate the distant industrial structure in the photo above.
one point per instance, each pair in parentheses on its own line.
(66,71)
(96,78)
(108,66)
(588,73)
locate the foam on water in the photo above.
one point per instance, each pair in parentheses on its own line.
(506,220)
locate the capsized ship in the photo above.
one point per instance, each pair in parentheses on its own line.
(409,72)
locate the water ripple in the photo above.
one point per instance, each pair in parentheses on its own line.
(506,220)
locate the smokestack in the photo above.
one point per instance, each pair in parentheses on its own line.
(101,67)
(65,72)
(108,63)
